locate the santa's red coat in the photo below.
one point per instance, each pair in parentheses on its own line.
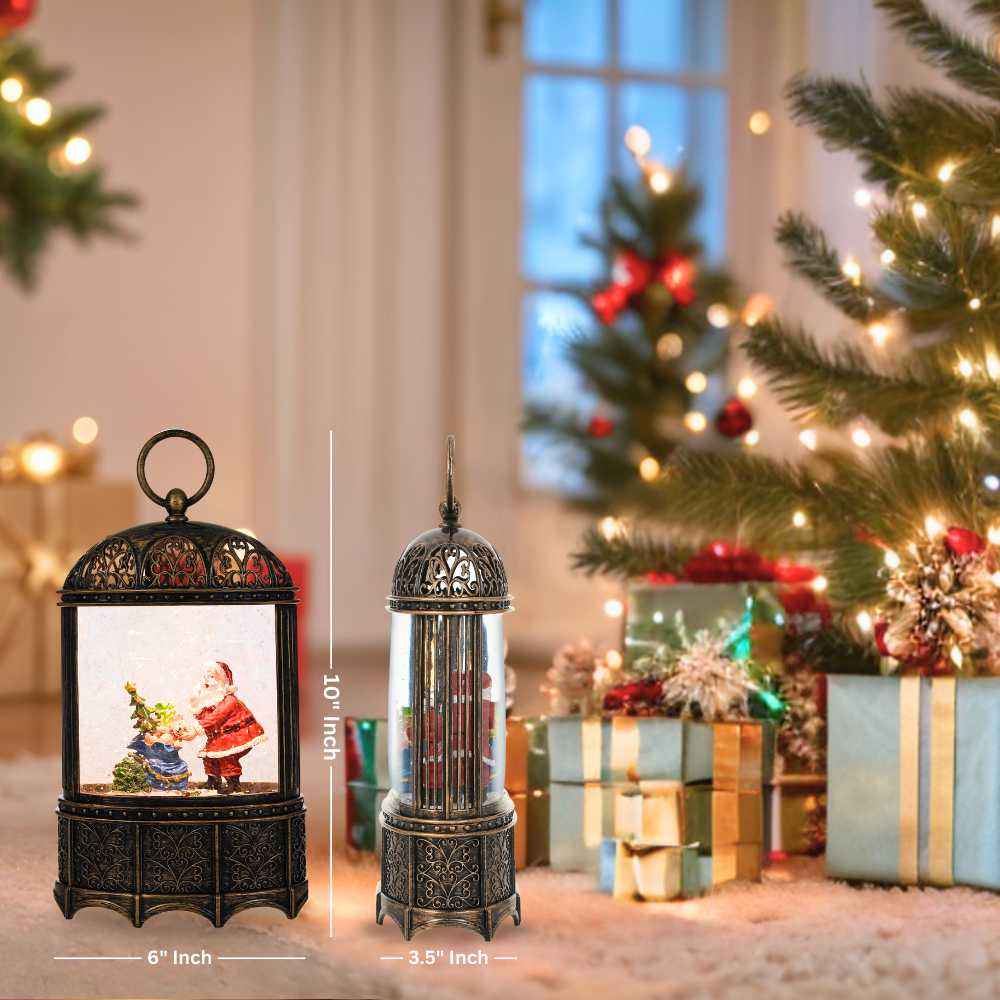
(230,727)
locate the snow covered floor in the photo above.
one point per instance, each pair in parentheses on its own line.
(794,936)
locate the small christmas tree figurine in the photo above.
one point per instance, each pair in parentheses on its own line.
(899,486)
(128,775)
(146,719)
(661,328)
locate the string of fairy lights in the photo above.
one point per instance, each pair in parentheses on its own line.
(38,111)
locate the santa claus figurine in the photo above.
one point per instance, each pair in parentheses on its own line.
(231,729)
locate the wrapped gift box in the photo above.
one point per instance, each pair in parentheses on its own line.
(655,872)
(531,832)
(363,805)
(527,755)
(608,863)
(367,759)
(665,812)
(737,863)
(913,767)
(797,801)
(46,528)
(580,817)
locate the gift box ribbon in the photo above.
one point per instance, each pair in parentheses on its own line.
(941,803)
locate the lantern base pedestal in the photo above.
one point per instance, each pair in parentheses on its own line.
(447,872)
(413,919)
(144,855)
(218,909)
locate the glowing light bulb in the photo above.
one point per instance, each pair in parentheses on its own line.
(933,526)
(77,150)
(695,422)
(669,346)
(751,438)
(659,180)
(637,140)
(861,437)
(38,111)
(799,519)
(965,368)
(614,608)
(956,656)
(746,388)
(887,256)
(613,659)
(864,621)
(992,365)
(757,307)
(649,468)
(862,198)
(808,438)
(41,459)
(85,430)
(991,482)
(11,89)
(696,382)
(945,172)
(995,227)
(610,528)
(994,535)
(718,315)
(968,419)
(891,559)
(760,122)
(919,210)
(852,271)
(820,584)
(879,333)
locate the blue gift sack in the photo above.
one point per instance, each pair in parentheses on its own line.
(914,780)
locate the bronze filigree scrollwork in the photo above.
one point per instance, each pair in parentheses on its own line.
(174,562)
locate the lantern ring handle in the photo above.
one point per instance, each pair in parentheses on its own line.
(176,501)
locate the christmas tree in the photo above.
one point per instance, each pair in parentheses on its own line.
(898,492)
(45,185)
(661,328)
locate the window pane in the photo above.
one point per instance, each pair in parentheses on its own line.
(565,169)
(672,36)
(550,321)
(566,32)
(688,128)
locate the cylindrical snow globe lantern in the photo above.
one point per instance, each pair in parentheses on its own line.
(447,823)
(180,721)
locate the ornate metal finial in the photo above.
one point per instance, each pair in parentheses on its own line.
(177,501)
(450,507)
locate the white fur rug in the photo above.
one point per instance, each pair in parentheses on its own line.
(794,936)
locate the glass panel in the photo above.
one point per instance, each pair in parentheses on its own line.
(551,320)
(566,32)
(565,168)
(401,708)
(494,710)
(687,127)
(177,700)
(672,36)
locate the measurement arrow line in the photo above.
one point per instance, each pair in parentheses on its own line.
(505,958)
(261,958)
(97,958)
(391,958)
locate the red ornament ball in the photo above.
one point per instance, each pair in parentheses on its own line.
(963,542)
(15,14)
(734,419)
(600,426)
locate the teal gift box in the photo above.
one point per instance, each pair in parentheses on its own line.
(363,806)
(628,749)
(914,780)
(367,757)
(580,817)
(696,871)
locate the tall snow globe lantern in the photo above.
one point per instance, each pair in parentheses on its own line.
(180,721)
(447,823)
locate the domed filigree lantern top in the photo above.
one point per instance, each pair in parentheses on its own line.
(450,570)
(175,561)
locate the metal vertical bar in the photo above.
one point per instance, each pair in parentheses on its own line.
(476,695)
(416,700)
(447,623)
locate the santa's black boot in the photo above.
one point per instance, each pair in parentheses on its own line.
(233,785)
(214,783)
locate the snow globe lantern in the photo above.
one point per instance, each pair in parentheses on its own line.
(447,823)
(180,721)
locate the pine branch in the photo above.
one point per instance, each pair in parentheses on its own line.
(630,557)
(812,258)
(969,65)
